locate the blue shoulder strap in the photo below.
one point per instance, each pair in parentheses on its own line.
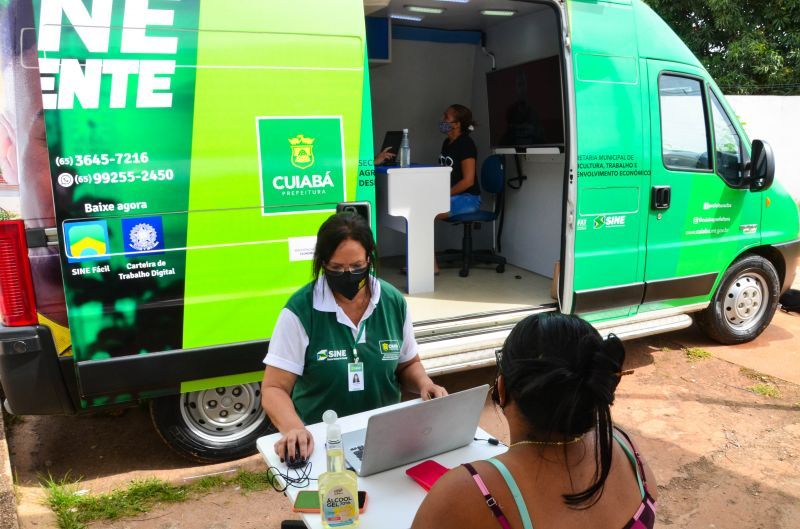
(512,486)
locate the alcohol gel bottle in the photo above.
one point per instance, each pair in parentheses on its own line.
(338,488)
(405,150)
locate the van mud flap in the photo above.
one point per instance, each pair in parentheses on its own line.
(31,373)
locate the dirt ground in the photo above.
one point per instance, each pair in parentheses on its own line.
(724,456)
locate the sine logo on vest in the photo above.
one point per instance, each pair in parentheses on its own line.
(326,355)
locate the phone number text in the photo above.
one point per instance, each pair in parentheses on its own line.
(116,177)
(88,160)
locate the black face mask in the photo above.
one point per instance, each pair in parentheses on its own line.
(348,284)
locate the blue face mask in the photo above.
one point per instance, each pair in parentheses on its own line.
(445,127)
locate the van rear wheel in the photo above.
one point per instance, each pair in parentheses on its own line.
(212,425)
(744,302)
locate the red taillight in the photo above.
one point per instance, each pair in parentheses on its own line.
(17,302)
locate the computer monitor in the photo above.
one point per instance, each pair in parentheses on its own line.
(525,107)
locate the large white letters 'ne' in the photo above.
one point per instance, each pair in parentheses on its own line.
(93,28)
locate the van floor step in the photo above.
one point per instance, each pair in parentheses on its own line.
(641,329)
(485,341)
(477,350)
(433,330)
(459,362)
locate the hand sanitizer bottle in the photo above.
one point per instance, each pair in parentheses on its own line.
(338,488)
(405,150)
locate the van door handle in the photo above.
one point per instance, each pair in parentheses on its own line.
(661,196)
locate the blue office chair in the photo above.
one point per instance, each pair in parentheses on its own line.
(493,180)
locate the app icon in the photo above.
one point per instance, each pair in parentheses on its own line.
(143,234)
(86,240)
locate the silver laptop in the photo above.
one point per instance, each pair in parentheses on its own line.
(414,432)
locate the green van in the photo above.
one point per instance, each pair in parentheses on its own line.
(175,160)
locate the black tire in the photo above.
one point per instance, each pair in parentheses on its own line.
(198,431)
(744,302)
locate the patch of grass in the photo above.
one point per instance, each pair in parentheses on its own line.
(696,353)
(766,390)
(750,373)
(252,481)
(755,375)
(74,510)
(208,483)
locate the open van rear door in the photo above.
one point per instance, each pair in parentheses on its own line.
(613,160)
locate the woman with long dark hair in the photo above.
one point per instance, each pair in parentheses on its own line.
(568,465)
(343,342)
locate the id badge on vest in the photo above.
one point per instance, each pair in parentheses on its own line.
(355,369)
(355,376)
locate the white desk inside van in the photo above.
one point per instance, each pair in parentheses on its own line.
(408,200)
(392,497)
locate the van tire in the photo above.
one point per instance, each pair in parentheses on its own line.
(200,428)
(744,303)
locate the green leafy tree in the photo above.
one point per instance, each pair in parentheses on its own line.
(748,46)
(7,215)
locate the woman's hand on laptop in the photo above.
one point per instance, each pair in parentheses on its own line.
(413,378)
(298,441)
(428,390)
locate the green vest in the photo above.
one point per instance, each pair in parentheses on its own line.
(324,385)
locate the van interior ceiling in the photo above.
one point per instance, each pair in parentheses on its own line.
(506,68)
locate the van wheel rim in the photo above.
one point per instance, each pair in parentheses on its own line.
(224,414)
(744,302)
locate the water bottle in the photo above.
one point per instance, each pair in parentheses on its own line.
(405,150)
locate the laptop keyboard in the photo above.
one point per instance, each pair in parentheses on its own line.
(358,451)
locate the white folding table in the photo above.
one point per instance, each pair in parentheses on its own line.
(392,497)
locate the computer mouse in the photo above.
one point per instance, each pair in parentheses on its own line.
(297,461)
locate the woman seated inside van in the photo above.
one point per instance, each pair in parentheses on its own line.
(567,466)
(459,153)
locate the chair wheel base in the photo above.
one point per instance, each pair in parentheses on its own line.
(464,272)
(500,268)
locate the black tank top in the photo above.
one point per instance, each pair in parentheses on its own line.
(453,153)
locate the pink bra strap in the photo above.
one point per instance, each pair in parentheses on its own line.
(490,501)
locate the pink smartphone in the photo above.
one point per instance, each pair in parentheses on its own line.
(427,473)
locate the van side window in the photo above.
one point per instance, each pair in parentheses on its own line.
(684,130)
(727,145)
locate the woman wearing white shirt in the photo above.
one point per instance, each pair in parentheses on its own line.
(344,341)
